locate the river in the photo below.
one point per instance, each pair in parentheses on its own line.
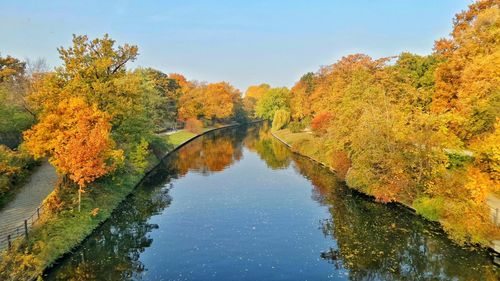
(236,204)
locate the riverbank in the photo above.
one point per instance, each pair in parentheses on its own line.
(241,194)
(58,232)
(314,152)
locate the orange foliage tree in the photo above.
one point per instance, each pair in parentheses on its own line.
(194,126)
(220,100)
(191,103)
(209,101)
(76,138)
(468,80)
(422,130)
(300,97)
(321,122)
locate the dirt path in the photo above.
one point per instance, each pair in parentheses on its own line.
(27,200)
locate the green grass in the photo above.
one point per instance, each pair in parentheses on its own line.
(179,137)
(304,143)
(292,138)
(182,136)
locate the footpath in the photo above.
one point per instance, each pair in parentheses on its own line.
(26,202)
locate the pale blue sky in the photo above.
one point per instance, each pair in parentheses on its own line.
(241,42)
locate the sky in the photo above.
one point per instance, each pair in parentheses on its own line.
(240,42)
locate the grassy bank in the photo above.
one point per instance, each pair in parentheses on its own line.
(307,144)
(313,149)
(181,136)
(61,229)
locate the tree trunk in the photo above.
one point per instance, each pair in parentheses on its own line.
(79,198)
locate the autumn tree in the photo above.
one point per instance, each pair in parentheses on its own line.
(15,116)
(321,122)
(95,70)
(468,93)
(252,95)
(106,106)
(76,138)
(220,100)
(183,83)
(215,101)
(191,102)
(162,94)
(421,130)
(467,82)
(300,100)
(194,126)
(411,78)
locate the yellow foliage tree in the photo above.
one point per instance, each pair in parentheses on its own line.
(220,100)
(468,81)
(252,95)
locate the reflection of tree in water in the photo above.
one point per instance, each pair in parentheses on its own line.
(113,251)
(373,241)
(211,153)
(275,154)
(378,242)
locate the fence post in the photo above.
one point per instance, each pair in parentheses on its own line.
(38,212)
(9,242)
(26,229)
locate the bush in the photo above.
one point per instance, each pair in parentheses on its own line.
(194,126)
(138,156)
(429,208)
(281,119)
(14,166)
(320,123)
(457,159)
(306,121)
(296,127)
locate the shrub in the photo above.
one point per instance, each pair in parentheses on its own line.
(194,126)
(281,119)
(430,208)
(306,121)
(320,123)
(296,127)
(14,166)
(138,156)
(456,159)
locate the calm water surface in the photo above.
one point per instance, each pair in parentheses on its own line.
(237,205)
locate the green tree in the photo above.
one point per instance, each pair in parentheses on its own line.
(252,95)
(273,100)
(281,119)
